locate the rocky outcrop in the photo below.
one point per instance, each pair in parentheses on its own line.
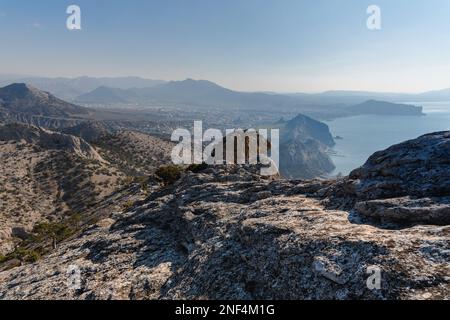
(407,209)
(419,167)
(48,140)
(408,183)
(303,148)
(226,233)
(303,127)
(210,237)
(90,131)
(305,159)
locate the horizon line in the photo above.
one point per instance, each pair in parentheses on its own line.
(267,91)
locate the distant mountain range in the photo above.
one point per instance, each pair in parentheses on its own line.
(24,103)
(347,97)
(70,88)
(438,95)
(208,94)
(76,88)
(188,92)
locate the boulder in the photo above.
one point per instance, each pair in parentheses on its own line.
(419,167)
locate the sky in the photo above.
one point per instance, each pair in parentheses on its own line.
(247,45)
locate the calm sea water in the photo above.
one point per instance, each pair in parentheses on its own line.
(363,135)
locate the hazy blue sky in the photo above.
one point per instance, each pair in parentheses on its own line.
(279,45)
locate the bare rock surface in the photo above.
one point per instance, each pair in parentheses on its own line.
(226,233)
(419,167)
(408,183)
(422,210)
(212,236)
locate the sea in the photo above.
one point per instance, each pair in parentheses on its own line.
(363,135)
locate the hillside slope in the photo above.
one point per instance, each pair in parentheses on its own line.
(47,176)
(226,233)
(22,103)
(69,88)
(134,152)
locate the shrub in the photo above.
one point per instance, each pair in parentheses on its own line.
(143,182)
(75,220)
(2,258)
(55,230)
(25,255)
(196,168)
(32,256)
(128,180)
(169,174)
(127,205)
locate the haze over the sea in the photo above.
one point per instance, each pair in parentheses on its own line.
(363,135)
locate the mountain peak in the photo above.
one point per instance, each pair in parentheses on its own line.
(20,90)
(20,86)
(194,84)
(302,128)
(25,99)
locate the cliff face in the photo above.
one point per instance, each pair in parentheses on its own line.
(304,159)
(303,127)
(303,148)
(226,233)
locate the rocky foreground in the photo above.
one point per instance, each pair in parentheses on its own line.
(226,233)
